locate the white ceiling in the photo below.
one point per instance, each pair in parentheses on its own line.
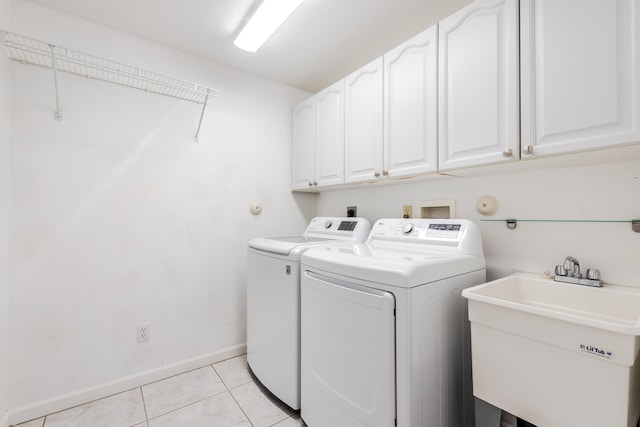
(323,41)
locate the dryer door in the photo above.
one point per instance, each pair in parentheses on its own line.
(348,354)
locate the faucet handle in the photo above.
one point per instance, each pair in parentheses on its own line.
(560,271)
(593,274)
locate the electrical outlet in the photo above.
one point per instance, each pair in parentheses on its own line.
(143,333)
(407,211)
(352,211)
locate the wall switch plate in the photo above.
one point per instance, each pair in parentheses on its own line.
(143,333)
(407,211)
(352,211)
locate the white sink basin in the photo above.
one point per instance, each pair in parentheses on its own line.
(557,354)
(612,308)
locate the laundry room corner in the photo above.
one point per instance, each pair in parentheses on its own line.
(4,220)
(123,219)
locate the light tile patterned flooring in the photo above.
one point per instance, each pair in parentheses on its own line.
(220,395)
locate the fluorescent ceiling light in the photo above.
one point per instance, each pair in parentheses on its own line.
(264,22)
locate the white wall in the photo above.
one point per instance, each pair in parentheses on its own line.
(121,219)
(601,191)
(4,217)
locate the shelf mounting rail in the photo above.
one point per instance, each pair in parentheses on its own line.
(512,223)
(35,52)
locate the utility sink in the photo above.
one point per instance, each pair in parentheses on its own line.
(557,354)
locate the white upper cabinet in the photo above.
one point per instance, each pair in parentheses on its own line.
(580,74)
(303,145)
(318,140)
(411,106)
(478,85)
(497,81)
(329,106)
(363,123)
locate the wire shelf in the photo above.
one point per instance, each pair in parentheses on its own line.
(35,52)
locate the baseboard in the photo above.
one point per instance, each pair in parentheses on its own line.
(79,397)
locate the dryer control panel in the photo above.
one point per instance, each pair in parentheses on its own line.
(449,231)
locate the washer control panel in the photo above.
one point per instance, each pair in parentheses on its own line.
(352,228)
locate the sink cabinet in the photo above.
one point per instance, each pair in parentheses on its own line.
(580,75)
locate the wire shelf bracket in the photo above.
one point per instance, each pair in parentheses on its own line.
(60,59)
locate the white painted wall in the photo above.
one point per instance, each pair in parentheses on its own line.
(121,219)
(4,218)
(601,191)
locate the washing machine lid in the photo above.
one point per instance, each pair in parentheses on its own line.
(321,230)
(389,265)
(284,245)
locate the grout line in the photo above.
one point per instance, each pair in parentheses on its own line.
(270,396)
(219,377)
(144,406)
(251,380)
(187,405)
(241,408)
(190,403)
(245,366)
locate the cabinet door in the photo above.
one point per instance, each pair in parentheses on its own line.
(363,123)
(329,151)
(580,74)
(411,105)
(303,145)
(478,85)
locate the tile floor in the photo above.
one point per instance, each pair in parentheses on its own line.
(220,395)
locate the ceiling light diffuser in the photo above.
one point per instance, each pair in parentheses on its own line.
(264,22)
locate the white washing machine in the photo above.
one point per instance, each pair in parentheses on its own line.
(384,328)
(273,301)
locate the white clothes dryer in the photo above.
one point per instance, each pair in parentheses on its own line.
(384,329)
(273,301)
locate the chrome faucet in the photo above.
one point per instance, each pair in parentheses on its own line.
(569,272)
(572,267)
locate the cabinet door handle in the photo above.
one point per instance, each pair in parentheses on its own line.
(528,149)
(508,152)
(376,174)
(385,173)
